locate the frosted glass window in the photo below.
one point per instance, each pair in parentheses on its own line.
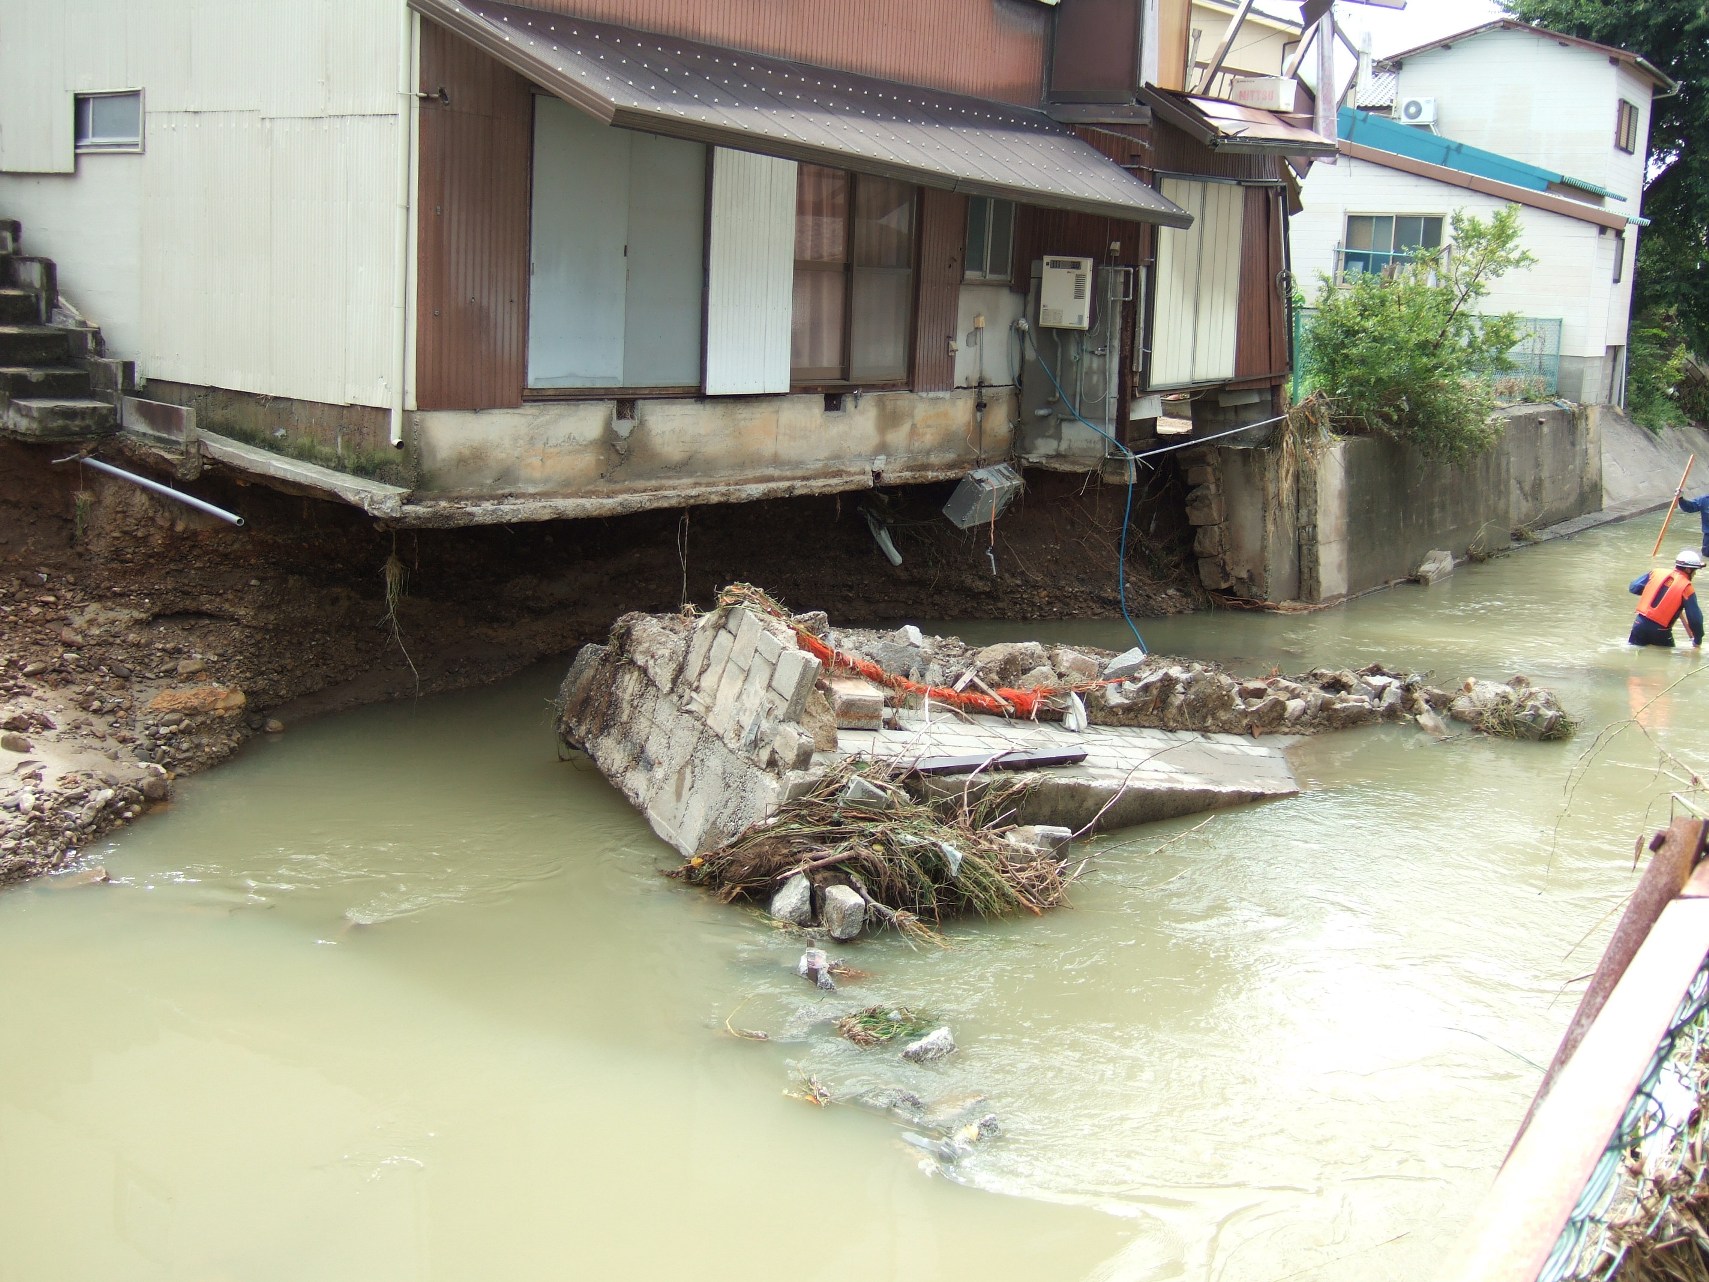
(109,121)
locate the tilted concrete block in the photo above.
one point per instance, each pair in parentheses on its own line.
(793,681)
(748,629)
(768,647)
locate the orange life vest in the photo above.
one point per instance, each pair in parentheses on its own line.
(1664,597)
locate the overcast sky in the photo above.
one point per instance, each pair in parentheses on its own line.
(1393,30)
(1421,20)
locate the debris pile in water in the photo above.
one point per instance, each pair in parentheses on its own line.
(1517,710)
(857,845)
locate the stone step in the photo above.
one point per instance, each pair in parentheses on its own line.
(34,344)
(53,419)
(54,382)
(20,307)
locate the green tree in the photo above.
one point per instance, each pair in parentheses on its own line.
(1405,353)
(1673,252)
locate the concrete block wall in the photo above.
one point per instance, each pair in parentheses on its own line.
(1364,512)
(697,723)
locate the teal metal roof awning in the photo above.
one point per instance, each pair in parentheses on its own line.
(1420,144)
(747,101)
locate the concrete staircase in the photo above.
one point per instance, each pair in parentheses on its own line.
(55,385)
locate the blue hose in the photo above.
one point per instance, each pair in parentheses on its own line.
(1127,510)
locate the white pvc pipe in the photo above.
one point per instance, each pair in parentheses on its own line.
(164,490)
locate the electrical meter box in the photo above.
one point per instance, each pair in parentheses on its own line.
(1065,293)
(982,496)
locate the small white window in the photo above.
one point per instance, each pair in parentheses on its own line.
(990,238)
(109,121)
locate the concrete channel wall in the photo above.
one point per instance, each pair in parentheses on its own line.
(1362,513)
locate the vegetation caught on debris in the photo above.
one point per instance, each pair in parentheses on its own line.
(917,864)
(879,1024)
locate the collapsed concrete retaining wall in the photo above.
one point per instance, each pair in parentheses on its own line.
(1363,512)
(679,712)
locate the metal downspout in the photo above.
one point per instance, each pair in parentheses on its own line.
(408,105)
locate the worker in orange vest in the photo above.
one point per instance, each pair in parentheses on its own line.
(1663,598)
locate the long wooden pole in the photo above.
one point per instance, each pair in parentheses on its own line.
(1672,505)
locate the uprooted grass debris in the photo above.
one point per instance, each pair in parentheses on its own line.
(876,1025)
(916,864)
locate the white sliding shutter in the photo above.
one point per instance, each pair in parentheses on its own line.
(1198,286)
(750,273)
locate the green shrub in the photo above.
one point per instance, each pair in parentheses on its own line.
(1655,372)
(1400,352)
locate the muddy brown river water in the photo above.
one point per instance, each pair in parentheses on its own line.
(400,995)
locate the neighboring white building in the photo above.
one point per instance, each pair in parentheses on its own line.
(1501,114)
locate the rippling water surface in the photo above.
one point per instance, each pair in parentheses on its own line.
(401,995)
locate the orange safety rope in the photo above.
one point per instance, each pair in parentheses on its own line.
(1007,702)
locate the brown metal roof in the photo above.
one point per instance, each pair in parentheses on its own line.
(684,89)
(1229,126)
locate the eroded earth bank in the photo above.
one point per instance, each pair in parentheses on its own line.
(143,640)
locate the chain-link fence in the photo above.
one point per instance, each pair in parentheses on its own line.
(1535,374)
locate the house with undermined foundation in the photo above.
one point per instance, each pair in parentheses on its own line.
(464,261)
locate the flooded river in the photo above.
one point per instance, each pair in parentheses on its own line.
(399,995)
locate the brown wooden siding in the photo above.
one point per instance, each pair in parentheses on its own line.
(472,282)
(990,48)
(943,236)
(1261,334)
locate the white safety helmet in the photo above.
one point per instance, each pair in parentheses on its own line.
(1688,559)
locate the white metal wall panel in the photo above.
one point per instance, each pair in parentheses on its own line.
(750,273)
(1196,312)
(36,113)
(1220,230)
(251,245)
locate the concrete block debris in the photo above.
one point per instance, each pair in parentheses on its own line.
(1436,565)
(844,913)
(788,768)
(793,902)
(856,705)
(934,1045)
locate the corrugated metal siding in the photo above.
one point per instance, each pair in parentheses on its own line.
(750,273)
(1261,348)
(993,48)
(943,236)
(1173,152)
(472,282)
(1197,292)
(266,202)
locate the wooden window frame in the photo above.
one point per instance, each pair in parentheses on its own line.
(819,380)
(1626,127)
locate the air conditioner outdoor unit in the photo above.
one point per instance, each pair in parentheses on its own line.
(1417,111)
(1065,293)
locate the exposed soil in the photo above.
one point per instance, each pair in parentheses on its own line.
(142,640)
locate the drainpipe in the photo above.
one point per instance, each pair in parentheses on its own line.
(408,75)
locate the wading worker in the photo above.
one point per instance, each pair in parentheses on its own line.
(1699,505)
(1663,598)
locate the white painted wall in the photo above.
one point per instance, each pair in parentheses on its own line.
(251,245)
(994,351)
(1536,100)
(1572,280)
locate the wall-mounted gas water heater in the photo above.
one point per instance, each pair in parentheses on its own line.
(1065,293)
